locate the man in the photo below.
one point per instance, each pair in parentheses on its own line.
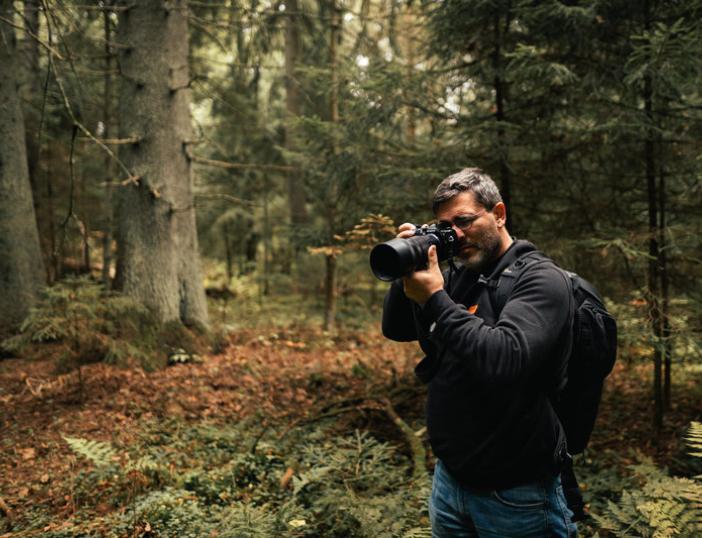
(499,444)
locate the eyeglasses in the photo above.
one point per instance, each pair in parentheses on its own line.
(463,222)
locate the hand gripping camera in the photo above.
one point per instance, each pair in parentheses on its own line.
(399,257)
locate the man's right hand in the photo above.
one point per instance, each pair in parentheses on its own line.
(406,230)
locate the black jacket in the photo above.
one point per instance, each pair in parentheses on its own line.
(488,412)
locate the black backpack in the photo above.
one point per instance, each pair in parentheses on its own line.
(592,356)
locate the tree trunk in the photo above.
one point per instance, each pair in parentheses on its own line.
(500,117)
(157,242)
(109,165)
(53,260)
(653,247)
(265,284)
(229,254)
(296,190)
(33,83)
(665,295)
(330,292)
(21,267)
(407,40)
(32,96)
(331,265)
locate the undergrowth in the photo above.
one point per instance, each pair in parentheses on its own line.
(252,480)
(642,499)
(77,321)
(249,480)
(242,481)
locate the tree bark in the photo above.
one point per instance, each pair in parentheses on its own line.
(654,310)
(21,266)
(158,257)
(109,165)
(407,40)
(330,292)
(330,299)
(666,330)
(33,83)
(296,190)
(500,117)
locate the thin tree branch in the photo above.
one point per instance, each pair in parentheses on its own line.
(131,178)
(113,141)
(419,453)
(33,36)
(241,166)
(227,197)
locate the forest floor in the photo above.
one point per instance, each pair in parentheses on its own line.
(282,377)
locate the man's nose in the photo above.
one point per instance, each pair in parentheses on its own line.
(459,233)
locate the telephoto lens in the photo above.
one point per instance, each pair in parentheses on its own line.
(399,257)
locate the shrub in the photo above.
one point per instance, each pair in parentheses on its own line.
(83,323)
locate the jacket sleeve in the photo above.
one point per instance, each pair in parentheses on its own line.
(398,315)
(529,328)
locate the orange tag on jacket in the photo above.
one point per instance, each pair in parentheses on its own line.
(473,309)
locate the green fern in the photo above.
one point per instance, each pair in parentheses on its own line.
(418,532)
(663,506)
(246,521)
(169,512)
(694,439)
(100,453)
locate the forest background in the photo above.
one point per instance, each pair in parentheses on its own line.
(189,194)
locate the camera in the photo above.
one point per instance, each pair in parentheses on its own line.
(399,257)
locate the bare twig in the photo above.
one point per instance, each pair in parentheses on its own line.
(131,178)
(5,510)
(419,454)
(241,166)
(227,197)
(114,141)
(34,37)
(104,7)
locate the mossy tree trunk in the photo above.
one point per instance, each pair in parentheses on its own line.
(158,260)
(21,267)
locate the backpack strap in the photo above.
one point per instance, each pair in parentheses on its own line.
(500,288)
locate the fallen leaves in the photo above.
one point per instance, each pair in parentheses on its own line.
(281,373)
(284,375)
(28,453)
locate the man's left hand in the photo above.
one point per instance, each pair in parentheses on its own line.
(421,285)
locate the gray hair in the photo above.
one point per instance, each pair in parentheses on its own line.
(467,180)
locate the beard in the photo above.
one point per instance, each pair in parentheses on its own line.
(485,250)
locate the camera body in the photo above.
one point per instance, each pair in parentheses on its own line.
(399,257)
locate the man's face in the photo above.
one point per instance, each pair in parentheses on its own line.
(476,228)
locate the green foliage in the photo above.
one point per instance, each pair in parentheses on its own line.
(211,480)
(657,505)
(694,439)
(99,453)
(83,323)
(247,521)
(167,512)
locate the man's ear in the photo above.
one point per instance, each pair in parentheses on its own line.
(500,212)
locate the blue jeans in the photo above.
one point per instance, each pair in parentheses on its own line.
(535,510)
